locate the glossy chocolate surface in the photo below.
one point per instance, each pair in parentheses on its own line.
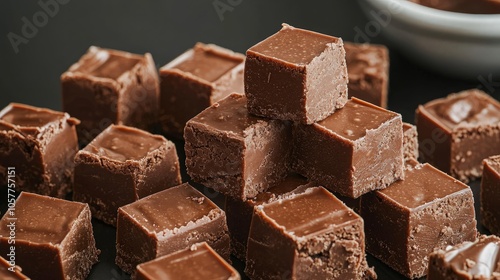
(199,262)
(7,274)
(23,116)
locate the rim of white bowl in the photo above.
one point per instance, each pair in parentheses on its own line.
(476,25)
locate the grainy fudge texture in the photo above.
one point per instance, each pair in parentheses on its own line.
(467,261)
(355,150)
(9,272)
(168,221)
(410,142)
(195,80)
(235,153)
(39,146)
(111,87)
(53,237)
(457,132)
(490,194)
(239,213)
(296,75)
(122,165)
(311,235)
(368,70)
(198,262)
(407,221)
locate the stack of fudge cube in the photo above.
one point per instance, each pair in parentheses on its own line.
(311,178)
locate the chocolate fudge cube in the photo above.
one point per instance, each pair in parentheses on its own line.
(311,235)
(467,261)
(355,150)
(490,194)
(37,145)
(457,132)
(53,237)
(410,142)
(111,87)
(407,221)
(296,75)
(168,221)
(235,153)
(194,81)
(122,165)
(9,271)
(199,261)
(239,213)
(368,70)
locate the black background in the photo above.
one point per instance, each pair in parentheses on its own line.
(166,29)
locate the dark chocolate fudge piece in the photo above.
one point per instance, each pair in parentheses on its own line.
(357,149)
(111,87)
(195,80)
(168,221)
(311,235)
(122,165)
(53,237)
(407,221)
(368,70)
(199,262)
(410,142)
(457,132)
(239,213)
(235,153)
(41,145)
(296,75)
(10,272)
(467,261)
(490,194)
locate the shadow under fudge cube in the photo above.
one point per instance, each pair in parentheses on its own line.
(468,260)
(490,194)
(239,213)
(111,87)
(41,145)
(122,165)
(235,153)
(296,75)
(53,237)
(457,132)
(194,81)
(199,261)
(311,235)
(168,221)
(407,221)
(357,149)
(368,70)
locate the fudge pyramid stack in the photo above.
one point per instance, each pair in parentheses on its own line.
(295,121)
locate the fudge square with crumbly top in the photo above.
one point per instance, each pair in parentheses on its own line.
(357,149)
(234,152)
(111,87)
(411,218)
(457,132)
(122,165)
(311,235)
(490,194)
(168,221)
(37,145)
(296,75)
(195,80)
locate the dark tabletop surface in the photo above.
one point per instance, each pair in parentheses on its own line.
(32,59)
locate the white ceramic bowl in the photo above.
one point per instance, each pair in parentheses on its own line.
(456,44)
